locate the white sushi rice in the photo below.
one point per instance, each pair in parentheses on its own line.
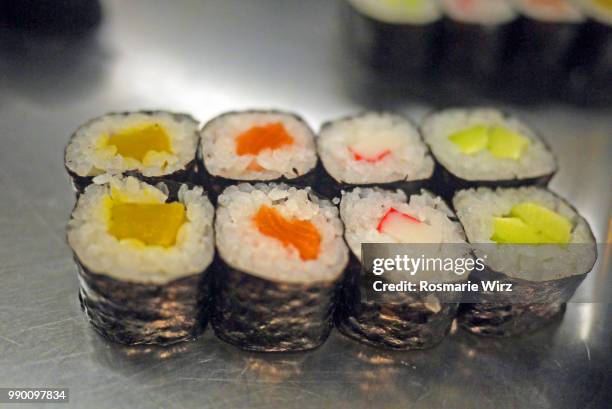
(536,161)
(484,12)
(85,156)
(103,253)
(362,209)
(410,162)
(219,147)
(426,12)
(566,11)
(596,11)
(476,209)
(244,247)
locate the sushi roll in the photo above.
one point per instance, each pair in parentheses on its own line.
(151,145)
(532,239)
(256,146)
(541,42)
(591,59)
(396,36)
(397,320)
(372,149)
(485,147)
(474,37)
(281,258)
(142,253)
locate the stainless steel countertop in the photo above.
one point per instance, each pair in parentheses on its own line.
(206,57)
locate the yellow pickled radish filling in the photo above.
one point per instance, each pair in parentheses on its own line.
(501,142)
(136,142)
(530,223)
(152,224)
(606,4)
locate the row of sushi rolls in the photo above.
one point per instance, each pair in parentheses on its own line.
(254,223)
(560,48)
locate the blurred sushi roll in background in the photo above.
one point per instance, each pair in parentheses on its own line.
(151,145)
(256,146)
(474,37)
(591,61)
(281,258)
(142,253)
(485,147)
(402,319)
(372,149)
(538,51)
(394,36)
(534,240)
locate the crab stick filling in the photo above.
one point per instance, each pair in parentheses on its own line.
(501,142)
(406,228)
(373,148)
(149,224)
(299,234)
(530,223)
(136,142)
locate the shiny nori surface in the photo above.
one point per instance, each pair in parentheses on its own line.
(187,174)
(136,313)
(531,306)
(256,314)
(394,320)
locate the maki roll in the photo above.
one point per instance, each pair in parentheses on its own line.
(151,145)
(395,36)
(256,146)
(142,253)
(485,147)
(591,60)
(533,240)
(475,33)
(397,320)
(281,257)
(541,42)
(372,149)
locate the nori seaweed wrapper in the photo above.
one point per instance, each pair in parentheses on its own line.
(141,313)
(590,66)
(327,186)
(472,52)
(215,185)
(392,320)
(536,59)
(445,183)
(257,314)
(188,174)
(135,313)
(404,49)
(532,305)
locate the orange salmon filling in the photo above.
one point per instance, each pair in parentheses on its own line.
(136,142)
(271,136)
(153,224)
(300,234)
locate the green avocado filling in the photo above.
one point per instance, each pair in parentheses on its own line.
(501,142)
(530,223)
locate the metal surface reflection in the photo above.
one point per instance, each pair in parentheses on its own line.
(206,58)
